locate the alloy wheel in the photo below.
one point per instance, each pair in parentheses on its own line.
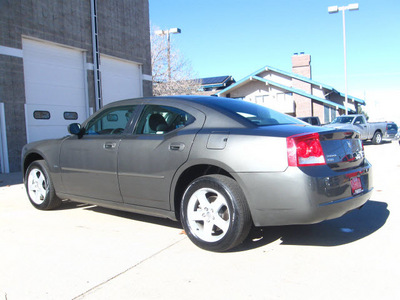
(208,215)
(37,186)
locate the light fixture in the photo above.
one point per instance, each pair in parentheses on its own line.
(168,32)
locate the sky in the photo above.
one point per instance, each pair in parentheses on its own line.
(238,37)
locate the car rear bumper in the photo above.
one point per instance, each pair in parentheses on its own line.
(303,196)
(390,136)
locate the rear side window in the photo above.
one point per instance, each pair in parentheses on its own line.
(314,121)
(160,119)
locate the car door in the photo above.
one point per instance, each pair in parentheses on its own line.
(89,163)
(361,126)
(149,158)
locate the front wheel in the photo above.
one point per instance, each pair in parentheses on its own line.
(377,138)
(214,213)
(39,186)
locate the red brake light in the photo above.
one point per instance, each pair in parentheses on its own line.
(305,150)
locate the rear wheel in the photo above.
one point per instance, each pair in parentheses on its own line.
(39,186)
(377,138)
(214,213)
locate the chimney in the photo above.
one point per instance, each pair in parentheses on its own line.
(301,64)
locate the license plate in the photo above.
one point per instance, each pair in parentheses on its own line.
(356,186)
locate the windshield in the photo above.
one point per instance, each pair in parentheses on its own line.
(342,120)
(392,126)
(256,114)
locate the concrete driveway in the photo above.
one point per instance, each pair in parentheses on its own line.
(87,252)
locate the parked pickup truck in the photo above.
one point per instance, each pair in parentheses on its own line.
(311,120)
(369,131)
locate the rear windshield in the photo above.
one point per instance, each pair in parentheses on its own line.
(256,114)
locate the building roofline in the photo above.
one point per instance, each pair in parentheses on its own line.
(299,92)
(296,76)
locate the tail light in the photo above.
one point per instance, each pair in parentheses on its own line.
(305,150)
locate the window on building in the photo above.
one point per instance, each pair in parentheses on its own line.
(262,99)
(41,115)
(70,115)
(333,114)
(329,113)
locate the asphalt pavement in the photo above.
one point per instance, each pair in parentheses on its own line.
(87,252)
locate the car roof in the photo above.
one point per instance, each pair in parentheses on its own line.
(205,104)
(188,99)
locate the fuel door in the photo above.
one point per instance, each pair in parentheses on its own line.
(217,140)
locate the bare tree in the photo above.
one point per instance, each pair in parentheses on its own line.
(174,78)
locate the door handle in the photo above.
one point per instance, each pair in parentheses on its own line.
(110,145)
(177,146)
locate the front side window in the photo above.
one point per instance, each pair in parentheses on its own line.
(160,119)
(111,121)
(359,120)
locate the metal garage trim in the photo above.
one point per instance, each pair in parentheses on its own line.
(5,168)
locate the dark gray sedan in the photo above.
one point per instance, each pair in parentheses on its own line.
(218,165)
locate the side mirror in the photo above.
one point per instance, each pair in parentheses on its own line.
(75,129)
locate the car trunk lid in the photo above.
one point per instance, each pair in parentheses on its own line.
(343,149)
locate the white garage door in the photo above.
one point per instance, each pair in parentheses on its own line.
(120,79)
(55,89)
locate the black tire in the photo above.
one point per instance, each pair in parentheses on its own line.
(377,138)
(222,221)
(39,186)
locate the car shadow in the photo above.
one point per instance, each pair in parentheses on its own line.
(349,228)
(369,143)
(8,179)
(68,204)
(137,217)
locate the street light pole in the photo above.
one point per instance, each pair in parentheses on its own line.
(168,34)
(345,63)
(332,10)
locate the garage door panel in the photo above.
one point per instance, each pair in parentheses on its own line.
(54,64)
(52,74)
(37,53)
(54,82)
(56,125)
(51,94)
(120,79)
